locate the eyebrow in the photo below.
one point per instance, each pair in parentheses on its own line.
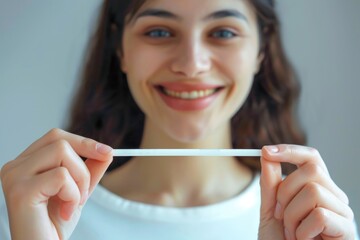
(226,13)
(153,12)
(157,13)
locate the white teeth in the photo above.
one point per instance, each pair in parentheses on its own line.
(190,95)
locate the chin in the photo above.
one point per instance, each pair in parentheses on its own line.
(188,134)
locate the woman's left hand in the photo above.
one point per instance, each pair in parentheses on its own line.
(307,204)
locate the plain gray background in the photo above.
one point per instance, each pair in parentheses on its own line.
(43,44)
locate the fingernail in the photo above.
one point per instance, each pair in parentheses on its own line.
(287,234)
(277,213)
(103,149)
(272,149)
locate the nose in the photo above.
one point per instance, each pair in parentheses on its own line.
(192,58)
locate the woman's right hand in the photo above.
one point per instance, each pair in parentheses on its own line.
(46,186)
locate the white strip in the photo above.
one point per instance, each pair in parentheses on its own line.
(187,152)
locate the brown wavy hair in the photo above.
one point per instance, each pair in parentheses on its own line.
(104,109)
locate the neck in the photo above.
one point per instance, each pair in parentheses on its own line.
(182,181)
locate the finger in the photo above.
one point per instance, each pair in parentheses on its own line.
(97,170)
(327,224)
(293,183)
(269,180)
(85,147)
(310,197)
(298,155)
(57,154)
(56,182)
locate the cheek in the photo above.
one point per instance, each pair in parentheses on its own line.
(239,64)
(140,66)
(141,63)
(140,60)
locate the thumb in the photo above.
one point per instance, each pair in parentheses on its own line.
(271,177)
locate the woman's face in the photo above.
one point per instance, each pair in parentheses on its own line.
(190,64)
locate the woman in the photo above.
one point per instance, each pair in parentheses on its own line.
(179,74)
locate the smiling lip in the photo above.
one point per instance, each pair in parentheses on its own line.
(188,97)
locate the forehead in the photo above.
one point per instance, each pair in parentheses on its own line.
(195,9)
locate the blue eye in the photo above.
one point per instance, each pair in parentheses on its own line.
(158,33)
(223,34)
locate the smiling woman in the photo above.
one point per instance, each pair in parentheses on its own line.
(205,74)
(163,31)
